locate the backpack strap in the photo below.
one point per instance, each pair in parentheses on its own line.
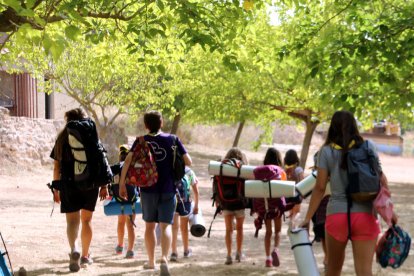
(218,210)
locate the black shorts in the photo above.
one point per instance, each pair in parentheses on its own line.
(183,208)
(73,199)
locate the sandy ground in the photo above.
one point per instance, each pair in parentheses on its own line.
(37,241)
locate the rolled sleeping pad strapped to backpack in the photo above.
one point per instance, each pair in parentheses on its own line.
(197,223)
(305,186)
(246,171)
(302,250)
(115,208)
(269,189)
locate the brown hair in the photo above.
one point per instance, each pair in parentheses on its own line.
(273,157)
(62,138)
(153,121)
(237,154)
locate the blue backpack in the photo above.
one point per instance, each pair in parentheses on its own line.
(393,247)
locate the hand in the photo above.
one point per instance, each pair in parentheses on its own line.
(304,224)
(123,192)
(195,210)
(56,196)
(394,218)
(103,193)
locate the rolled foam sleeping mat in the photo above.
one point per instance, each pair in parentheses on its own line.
(197,224)
(302,251)
(246,171)
(264,189)
(115,208)
(305,186)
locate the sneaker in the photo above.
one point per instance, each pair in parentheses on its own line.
(229,260)
(74,264)
(86,260)
(119,249)
(130,254)
(188,253)
(268,263)
(239,256)
(275,258)
(173,257)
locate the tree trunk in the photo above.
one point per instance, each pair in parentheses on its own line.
(238,134)
(310,129)
(176,123)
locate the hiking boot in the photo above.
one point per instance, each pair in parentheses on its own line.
(173,257)
(86,260)
(74,264)
(188,253)
(275,258)
(239,256)
(130,254)
(119,249)
(229,260)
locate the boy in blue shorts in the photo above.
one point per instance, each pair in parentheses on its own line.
(183,211)
(158,202)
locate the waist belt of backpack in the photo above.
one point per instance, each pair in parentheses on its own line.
(218,210)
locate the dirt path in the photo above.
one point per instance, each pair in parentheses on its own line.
(38,243)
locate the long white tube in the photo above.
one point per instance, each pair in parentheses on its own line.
(302,250)
(305,186)
(264,189)
(246,171)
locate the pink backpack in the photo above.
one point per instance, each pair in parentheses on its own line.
(383,205)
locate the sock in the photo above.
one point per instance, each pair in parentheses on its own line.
(269,258)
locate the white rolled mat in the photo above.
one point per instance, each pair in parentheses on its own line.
(305,186)
(276,189)
(302,250)
(246,171)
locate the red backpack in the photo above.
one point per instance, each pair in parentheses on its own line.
(142,171)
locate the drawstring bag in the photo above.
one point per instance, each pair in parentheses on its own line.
(393,247)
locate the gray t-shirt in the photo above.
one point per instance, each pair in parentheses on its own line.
(330,160)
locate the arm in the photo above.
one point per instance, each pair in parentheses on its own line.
(317,195)
(56,176)
(122,188)
(187,160)
(196,197)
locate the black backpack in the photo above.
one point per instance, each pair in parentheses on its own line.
(91,168)
(178,162)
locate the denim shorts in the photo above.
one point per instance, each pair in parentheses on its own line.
(158,207)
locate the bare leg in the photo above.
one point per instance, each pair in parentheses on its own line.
(121,229)
(268,236)
(278,228)
(175,226)
(184,232)
(165,240)
(228,220)
(336,253)
(363,256)
(131,233)
(239,233)
(325,258)
(150,241)
(86,232)
(72,228)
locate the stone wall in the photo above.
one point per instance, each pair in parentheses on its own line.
(27,142)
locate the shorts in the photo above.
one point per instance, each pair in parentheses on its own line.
(236,213)
(183,208)
(364,226)
(158,207)
(73,199)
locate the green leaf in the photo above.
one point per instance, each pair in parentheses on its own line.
(26,13)
(161,69)
(14,4)
(30,3)
(72,32)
